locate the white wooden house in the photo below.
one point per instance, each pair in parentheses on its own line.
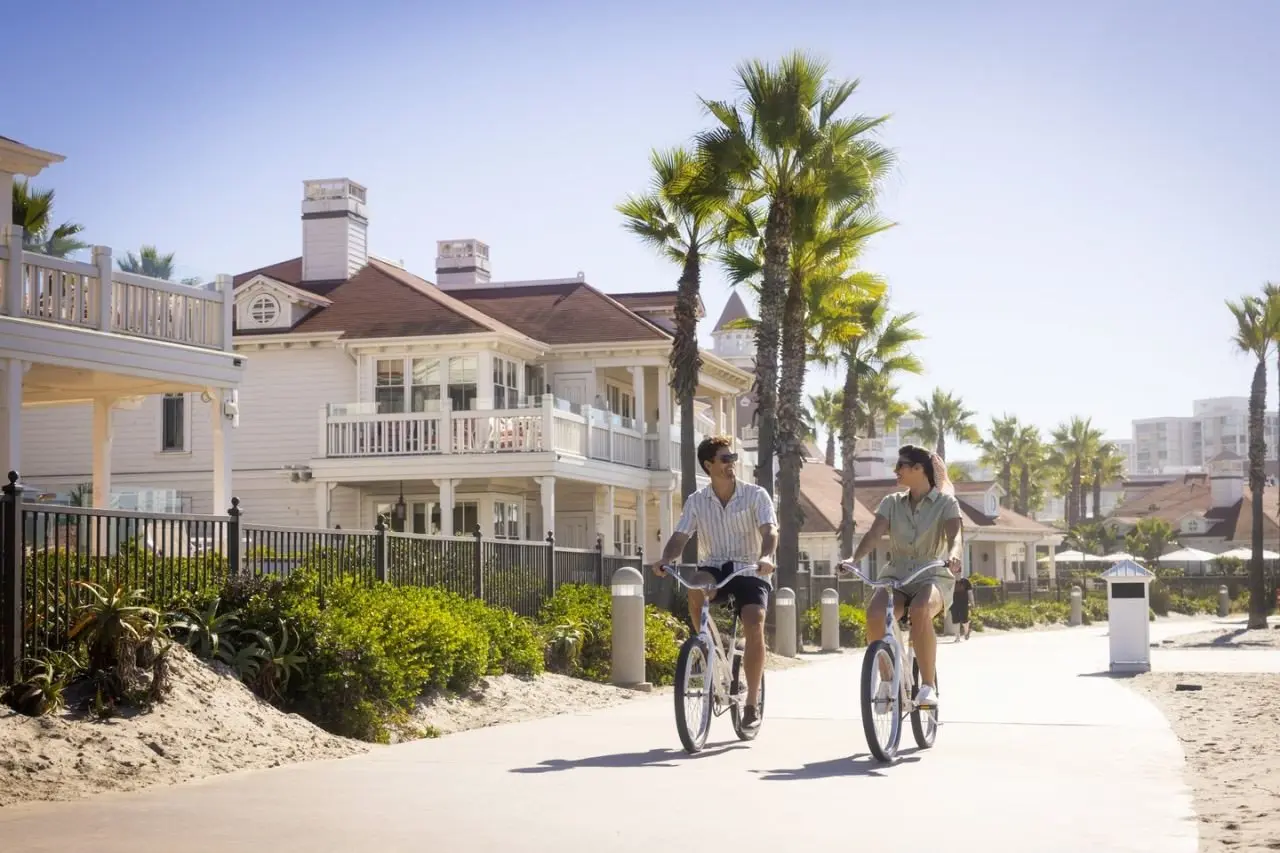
(84,345)
(521,407)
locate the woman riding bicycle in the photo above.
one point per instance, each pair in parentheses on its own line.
(923,525)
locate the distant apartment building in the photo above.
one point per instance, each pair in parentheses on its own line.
(1175,445)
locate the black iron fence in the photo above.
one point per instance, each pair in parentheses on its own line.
(46,551)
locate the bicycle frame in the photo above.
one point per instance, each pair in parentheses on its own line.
(721,658)
(903,653)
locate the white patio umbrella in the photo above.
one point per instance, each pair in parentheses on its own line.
(1073,557)
(1247,554)
(1188,555)
(1120,555)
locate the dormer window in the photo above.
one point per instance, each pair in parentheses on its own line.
(264,310)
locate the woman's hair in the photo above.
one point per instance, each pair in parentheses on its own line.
(935,469)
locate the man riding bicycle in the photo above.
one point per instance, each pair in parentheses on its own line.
(923,523)
(736,524)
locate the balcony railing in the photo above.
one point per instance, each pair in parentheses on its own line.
(71,293)
(358,430)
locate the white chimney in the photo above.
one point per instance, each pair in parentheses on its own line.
(868,459)
(1226,479)
(335,229)
(461,264)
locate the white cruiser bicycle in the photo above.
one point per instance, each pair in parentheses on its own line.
(882,717)
(709,671)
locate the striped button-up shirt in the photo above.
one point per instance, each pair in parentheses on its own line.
(729,531)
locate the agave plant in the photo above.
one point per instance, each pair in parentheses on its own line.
(279,658)
(204,630)
(112,625)
(43,691)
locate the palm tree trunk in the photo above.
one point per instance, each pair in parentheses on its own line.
(790,455)
(941,449)
(686,363)
(1024,488)
(848,438)
(773,295)
(1006,483)
(1257,482)
(1097,491)
(831,448)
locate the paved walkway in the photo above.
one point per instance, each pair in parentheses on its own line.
(1037,752)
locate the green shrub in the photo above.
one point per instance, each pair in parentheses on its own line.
(983,580)
(1007,616)
(578,625)
(1093,610)
(853,625)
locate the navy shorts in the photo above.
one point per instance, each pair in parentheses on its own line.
(745,590)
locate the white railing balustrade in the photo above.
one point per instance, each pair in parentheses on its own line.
(72,293)
(356,430)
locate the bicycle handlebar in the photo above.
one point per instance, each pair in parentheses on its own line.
(894,583)
(671,570)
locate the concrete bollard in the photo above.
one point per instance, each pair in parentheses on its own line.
(628,629)
(830,620)
(1224,601)
(784,634)
(1077,607)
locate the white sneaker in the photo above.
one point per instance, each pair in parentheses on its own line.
(927,697)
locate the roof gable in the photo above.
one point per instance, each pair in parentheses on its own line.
(734,310)
(568,312)
(263,282)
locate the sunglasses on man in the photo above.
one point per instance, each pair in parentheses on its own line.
(727,458)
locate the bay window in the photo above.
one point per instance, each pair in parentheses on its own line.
(506,384)
(407,385)
(506,520)
(463,370)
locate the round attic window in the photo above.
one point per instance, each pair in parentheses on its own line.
(264,310)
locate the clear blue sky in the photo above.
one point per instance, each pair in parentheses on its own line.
(1080,185)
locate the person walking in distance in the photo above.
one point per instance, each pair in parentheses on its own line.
(923,524)
(961,602)
(736,524)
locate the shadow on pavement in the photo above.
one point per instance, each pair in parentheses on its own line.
(652,758)
(1118,676)
(853,765)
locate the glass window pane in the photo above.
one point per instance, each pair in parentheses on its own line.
(389,400)
(462,369)
(426,371)
(390,371)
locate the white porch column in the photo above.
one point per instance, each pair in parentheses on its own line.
(637,391)
(322,505)
(604,517)
(103,435)
(666,521)
(642,519)
(722,417)
(664,419)
(1053,562)
(446,488)
(11,415)
(223,466)
(548,485)
(1032,572)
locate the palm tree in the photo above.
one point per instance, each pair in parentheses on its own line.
(878,403)
(872,357)
(33,210)
(1149,539)
(941,416)
(958,473)
(825,408)
(1075,445)
(1108,466)
(1030,461)
(781,144)
(999,451)
(681,217)
(1257,326)
(148,262)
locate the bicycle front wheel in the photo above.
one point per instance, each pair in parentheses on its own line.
(881,705)
(693,694)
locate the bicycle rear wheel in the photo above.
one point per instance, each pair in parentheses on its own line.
(881,717)
(739,683)
(693,694)
(924,723)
